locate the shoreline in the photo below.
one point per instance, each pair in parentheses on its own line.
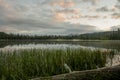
(60,40)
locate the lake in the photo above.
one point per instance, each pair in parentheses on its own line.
(104,44)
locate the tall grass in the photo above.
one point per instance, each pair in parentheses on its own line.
(29,63)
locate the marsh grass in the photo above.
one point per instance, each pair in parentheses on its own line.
(29,63)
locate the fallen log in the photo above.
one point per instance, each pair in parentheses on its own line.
(105,73)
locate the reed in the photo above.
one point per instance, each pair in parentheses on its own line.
(29,63)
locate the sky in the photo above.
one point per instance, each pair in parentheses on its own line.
(59,16)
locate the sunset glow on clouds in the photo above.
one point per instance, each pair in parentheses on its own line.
(59,16)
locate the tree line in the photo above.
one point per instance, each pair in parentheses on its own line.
(108,35)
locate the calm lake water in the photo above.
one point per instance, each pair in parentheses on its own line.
(103,45)
(60,44)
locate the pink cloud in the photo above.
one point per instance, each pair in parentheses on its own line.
(64,4)
(7,9)
(61,17)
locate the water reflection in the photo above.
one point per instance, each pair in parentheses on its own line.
(40,46)
(113,59)
(60,44)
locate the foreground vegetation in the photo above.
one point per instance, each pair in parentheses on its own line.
(108,35)
(29,63)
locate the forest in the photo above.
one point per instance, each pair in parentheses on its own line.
(107,35)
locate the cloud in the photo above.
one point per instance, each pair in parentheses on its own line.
(51,16)
(116,15)
(68,11)
(26,23)
(117,6)
(90,17)
(118,0)
(103,9)
(115,27)
(65,14)
(60,17)
(94,2)
(78,28)
(6,9)
(3,7)
(106,9)
(84,17)
(68,28)
(63,3)
(21,25)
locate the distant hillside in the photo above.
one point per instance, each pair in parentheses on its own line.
(108,35)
